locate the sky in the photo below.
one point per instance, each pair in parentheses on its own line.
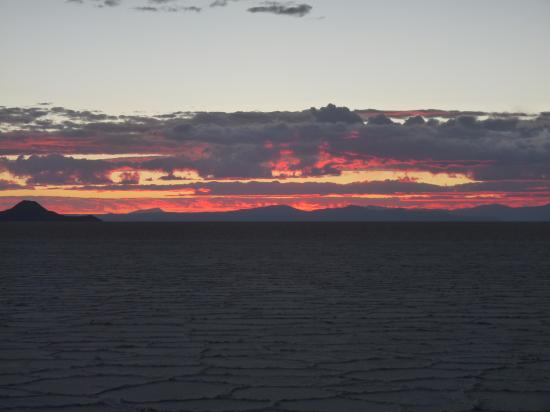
(468,55)
(119,105)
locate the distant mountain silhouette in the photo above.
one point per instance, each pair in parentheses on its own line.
(269,213)
(146,211)
(507,214)
(345,214)
(33,212)
(29,211)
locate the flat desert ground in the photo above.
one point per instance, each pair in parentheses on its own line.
(275,317)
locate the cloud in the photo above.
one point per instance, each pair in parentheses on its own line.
(111,3)
(129,178)
(170,177)
(275,188)
(190,8)
(7,185)
(19,115)
(333,114)
(59,170)
(98,3)
(273,7)
(146,8)
(154,5)
(251,145)
(169,9)
(222,3)
(285,9)
(380,119)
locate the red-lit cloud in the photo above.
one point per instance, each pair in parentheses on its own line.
(80,160)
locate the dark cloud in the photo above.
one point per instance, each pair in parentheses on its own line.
(129,178)
(59,170)
(174,9)
(386,187)
(219,161)
(44,118)
(274,7)
(427,113)
(252,145)
(222,3)
(249,118)
(281,188)
(285,9)
(18,115)
(381,120)
(98,3)
(154,5)
(7,185)
(170,177)
(190,8)
(333,114)
(522,145)
(312,188)
(146,8)
(415,121)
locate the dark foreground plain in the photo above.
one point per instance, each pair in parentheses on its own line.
(274,317)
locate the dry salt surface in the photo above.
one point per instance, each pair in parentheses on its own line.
(275,317)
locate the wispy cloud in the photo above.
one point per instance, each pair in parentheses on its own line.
(173,6)
(146,8)
(98,3)
(170,9)
(284,9)
(222,3)
(151,6)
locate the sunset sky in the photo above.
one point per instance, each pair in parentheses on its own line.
(203,105)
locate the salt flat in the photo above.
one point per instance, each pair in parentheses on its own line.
(275,317)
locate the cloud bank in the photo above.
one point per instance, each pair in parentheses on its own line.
(324,152)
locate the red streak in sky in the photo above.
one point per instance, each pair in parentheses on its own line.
(207,203)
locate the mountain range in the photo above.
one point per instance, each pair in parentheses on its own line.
(29,211)
(345,214)
(32,211)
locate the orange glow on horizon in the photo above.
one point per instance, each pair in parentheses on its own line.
(207,203)
(180,190)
